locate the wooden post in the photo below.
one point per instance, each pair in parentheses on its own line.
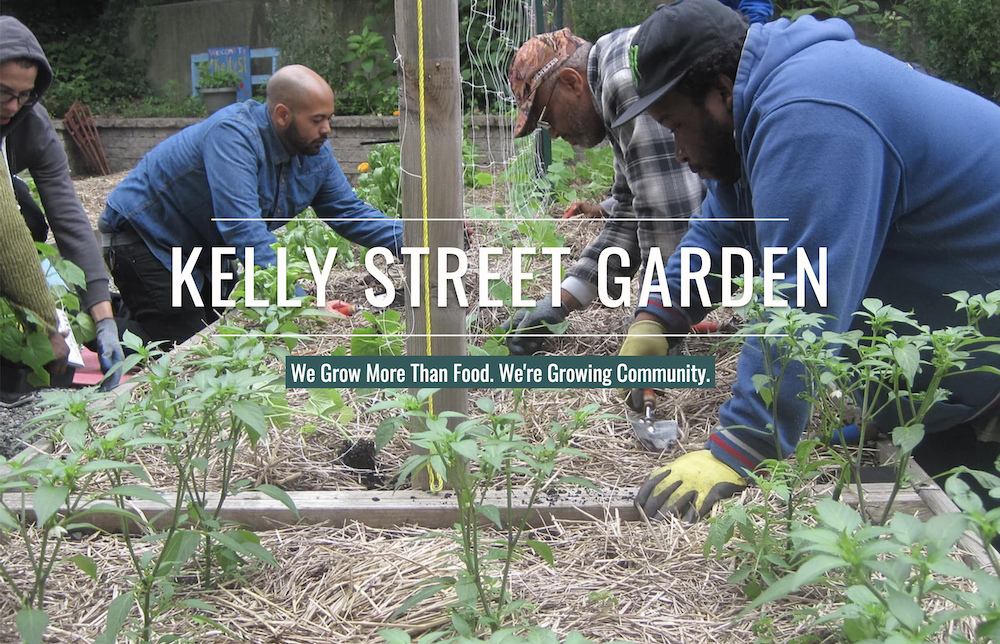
(431,157)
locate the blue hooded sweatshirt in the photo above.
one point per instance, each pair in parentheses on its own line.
(896,173)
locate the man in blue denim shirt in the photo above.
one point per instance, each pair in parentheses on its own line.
(229,181)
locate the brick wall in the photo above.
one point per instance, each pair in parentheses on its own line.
(127,140)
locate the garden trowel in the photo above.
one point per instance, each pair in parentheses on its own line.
(655,435)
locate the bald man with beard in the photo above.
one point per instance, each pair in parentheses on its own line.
(230,181)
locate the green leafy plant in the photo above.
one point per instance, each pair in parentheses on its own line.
(217,78)
(23,338)
(378,183)
(485,30)
(763,550)
(893,573)
(198,410)
(371,87)
(475,456)
(383,336)
(308,231)
(900,582)
(471,176)
(571,179)
(63,493)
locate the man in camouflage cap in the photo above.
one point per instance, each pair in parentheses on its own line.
(577,89)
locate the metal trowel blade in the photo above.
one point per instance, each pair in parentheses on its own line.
(656,436)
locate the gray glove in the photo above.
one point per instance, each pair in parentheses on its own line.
(526,330)
(109,352)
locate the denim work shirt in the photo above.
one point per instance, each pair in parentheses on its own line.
(228,181)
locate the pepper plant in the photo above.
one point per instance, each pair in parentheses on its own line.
(889,574)
(475,456)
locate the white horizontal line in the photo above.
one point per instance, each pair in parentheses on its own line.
(523,335)
(513,221)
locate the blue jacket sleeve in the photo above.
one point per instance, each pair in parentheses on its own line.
(340,207)
(840,192)
(231,168)
(708,231)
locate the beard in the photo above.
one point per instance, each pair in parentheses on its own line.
(301,144)
(722,162)
(584,128)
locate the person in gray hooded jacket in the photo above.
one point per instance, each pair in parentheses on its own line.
(30,142)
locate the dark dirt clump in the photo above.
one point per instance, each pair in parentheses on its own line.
(360,455)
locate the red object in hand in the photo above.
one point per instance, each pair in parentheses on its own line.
(340,307)
(705,327)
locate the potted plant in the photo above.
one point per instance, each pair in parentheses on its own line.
(217,88)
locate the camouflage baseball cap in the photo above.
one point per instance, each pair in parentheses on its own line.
(533,63)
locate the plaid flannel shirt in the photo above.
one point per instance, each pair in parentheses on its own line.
(649,182)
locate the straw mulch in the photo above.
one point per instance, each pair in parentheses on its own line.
(612,580)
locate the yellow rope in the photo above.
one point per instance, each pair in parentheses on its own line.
(434,480)
(423,184)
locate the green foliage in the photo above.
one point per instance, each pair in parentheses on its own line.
(308,231)
(23,337)
(956,41)
(762,552)
(383,336)
(199,408)
(358,67)
(899,582)
(173,101)
(475,456)
(217,78)
(573,180)
(591,19)
(959,42)
(87,47)
(485,51)
(371,87)
(892,576)
(302,236)
(308,37)
(378,183)
(888,28)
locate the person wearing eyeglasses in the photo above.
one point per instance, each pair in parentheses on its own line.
(29,142)
(576,90)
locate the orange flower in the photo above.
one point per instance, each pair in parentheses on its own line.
(364,167)
(396,113)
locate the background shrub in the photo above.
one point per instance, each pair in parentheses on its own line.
(960,42)
(591,19)
(86,44)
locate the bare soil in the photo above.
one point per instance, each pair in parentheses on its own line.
(93,191)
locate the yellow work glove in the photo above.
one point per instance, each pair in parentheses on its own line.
(688,487)
(645,338)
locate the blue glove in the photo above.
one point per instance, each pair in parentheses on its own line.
(109,352)
(531,321)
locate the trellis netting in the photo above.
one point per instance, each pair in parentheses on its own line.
(502,176)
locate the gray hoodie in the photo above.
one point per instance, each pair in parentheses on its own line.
(31,143)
